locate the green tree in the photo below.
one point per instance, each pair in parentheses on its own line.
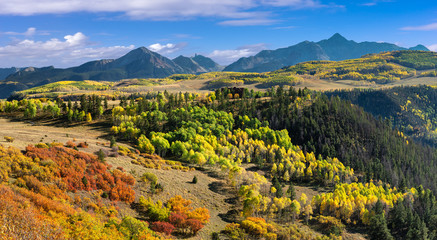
(378,228)
(278,187)
(113,142)
(70,115)
(291,193)
(81,116)
(144,145)
(101,155)
(417,229)
(198,158)
(161,144)
(132,227)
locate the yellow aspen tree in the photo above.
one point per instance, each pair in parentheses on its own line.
(295,209)
(88,117)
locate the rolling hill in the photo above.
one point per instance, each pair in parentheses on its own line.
(382,70)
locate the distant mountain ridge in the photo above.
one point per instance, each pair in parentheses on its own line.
(335,48)
(143,63)
(138,63)
(4,72)
(198,64)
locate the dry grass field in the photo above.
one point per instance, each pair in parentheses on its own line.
(202,86)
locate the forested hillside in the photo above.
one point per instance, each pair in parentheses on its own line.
(336,128)
(262,143)
(379,68)
(410,109)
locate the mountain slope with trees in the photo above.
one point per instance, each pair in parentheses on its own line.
(334,127)
(262,143)
(410,109)
(336,48)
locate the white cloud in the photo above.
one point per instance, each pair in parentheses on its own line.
(156,10)
(428,27)
(294,3)
(248,22)
(285,27)
(225,57)
(167,48)
(73,50)
(29,32)
(375,2)
(186,36)
(432,47)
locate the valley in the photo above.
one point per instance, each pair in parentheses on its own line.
(317,150)
(217,161)
(218,120)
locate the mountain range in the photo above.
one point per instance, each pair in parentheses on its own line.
(143,63)
(138,63)
(335,48)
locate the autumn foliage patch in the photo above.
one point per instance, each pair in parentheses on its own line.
(175,216)
(83,171)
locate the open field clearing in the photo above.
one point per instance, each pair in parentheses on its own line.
(203,86)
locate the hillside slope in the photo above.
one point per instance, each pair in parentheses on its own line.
(410,109)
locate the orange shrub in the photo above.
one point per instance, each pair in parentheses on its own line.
(70,144)
(201,214)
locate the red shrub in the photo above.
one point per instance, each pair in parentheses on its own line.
(163,227)
(194,225)
(82,171)
(178,220)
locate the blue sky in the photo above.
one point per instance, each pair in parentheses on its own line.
(66,33)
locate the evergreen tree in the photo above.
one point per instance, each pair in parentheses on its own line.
(113,142)
(105,103)
(398,219)
(277,185)
(417,230)
(378,228)
(291,193)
